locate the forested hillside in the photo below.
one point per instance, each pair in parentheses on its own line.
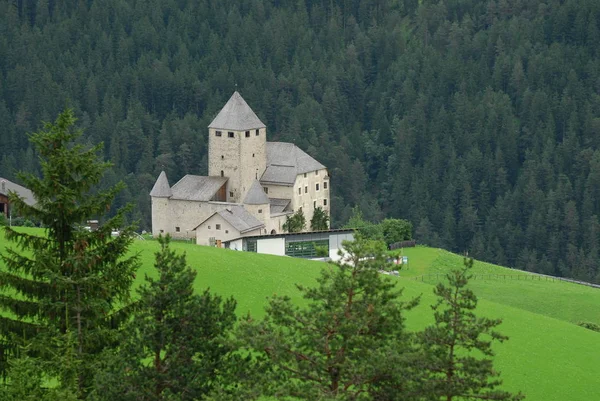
(479,121)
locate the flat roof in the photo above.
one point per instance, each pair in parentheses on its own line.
(337,230)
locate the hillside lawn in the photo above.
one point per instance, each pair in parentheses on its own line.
(548,357)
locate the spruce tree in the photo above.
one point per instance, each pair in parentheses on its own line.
(457,348)
(66,281)
(173,349)
(320,220)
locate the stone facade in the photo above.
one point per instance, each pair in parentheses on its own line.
(241,166)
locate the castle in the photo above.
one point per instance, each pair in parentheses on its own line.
(252,185)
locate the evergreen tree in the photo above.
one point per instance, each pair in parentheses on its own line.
(296,223)
(173,349)
(70,280)
(319,221)
(453,346)
(348,343)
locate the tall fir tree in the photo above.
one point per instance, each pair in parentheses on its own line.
(457,348)
(174,347)
(67,281)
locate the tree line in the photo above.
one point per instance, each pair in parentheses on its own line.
(71,330)
(475,120)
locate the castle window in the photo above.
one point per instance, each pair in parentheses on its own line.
(304,175)
(230,194)
(222,173)
(222,157)
(162,231)
(230,134)
(266,190)
(314,204)
(325,185)
(209,227)
(217,133)
(252,154)
(247,134)
(257,133)
(316,172)
(177,229)
(317,186)
(299,190)
(306,189)
(218,226)
(226,231)
(324,202)
(259,210)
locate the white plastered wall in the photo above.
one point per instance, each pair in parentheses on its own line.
(271,246)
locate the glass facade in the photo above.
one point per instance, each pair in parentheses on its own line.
(305,249)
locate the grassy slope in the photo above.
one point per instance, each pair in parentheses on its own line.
(547,356)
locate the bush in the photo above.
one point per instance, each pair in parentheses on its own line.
(590,326)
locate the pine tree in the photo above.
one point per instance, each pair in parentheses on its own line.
(349,342)
(173,349)
(67,280)
(453,344)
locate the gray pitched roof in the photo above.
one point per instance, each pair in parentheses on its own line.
(7,186)
(197,188)
(161,188)
(278,205)
(256,195)
(236,115)
(238,217)
(285,161)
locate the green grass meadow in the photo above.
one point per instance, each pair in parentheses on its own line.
(548,357)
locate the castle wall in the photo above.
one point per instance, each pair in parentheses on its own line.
(242,158)
(306,195)
(168,214)
(225,232)
(275,223)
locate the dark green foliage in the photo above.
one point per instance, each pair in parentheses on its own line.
(70,282)
(26,383)
(174,347)
(296,223)
(396,230)
(320,220)
(457,348)
(480,118)
(590,326)
(349,343)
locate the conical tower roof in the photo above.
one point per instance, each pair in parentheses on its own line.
(256,195)
(236,115)
(161,188)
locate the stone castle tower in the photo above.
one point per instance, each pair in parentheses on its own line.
(237,143)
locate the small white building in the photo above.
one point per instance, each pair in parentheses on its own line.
(252,187)
(299,245)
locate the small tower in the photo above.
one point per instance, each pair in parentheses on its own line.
(237,147)
(160,194)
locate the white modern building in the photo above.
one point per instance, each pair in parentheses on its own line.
(300,245)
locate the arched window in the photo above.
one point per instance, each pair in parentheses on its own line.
(273,232)
(222,173)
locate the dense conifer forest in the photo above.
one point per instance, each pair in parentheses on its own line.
(478,121)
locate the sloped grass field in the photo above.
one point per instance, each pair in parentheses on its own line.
(548,357)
